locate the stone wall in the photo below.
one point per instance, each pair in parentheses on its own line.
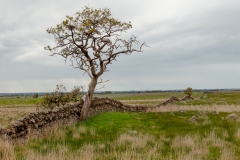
(110,105)
(37,123)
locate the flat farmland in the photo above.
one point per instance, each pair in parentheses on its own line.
(13,108)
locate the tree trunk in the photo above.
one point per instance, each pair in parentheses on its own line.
(88,99)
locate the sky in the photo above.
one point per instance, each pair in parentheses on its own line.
(191,44)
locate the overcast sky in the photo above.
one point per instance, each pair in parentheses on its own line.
(192,44)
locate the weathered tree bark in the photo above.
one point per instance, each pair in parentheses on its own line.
(88,99)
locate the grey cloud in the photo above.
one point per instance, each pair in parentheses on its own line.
(191,44)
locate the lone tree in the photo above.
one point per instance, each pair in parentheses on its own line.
(188,91)
(91,40)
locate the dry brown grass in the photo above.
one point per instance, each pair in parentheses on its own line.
(63,153)
(133,147)
(218,108)
(192,147)
(77,131)
(238,134)
(6,151)
(57,132)
(143,102)
(137,141)
(9,114)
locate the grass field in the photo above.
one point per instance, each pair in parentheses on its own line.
(165,133)
(13,108)
(210,98)
(139,136)
(19,101)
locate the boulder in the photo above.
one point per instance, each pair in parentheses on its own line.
(17,123)
(182,111)
(194,119)
(215,112)
(32,120)
(232,116)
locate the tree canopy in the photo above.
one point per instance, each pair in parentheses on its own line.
(91,40)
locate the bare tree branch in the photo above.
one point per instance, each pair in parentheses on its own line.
(100,88)
(102,81)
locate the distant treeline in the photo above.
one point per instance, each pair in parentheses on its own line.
(22,94)
(116,92)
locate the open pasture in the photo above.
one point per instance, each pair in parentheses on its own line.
(13,108)
(19,101)
(134,136)
(209,98)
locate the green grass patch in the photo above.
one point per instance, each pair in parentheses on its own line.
(20,100)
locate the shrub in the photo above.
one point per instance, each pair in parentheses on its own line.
(60,96)
(188,91)
(35,95)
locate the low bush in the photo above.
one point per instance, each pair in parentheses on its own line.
(60,96)
(188,91)
(35,95)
